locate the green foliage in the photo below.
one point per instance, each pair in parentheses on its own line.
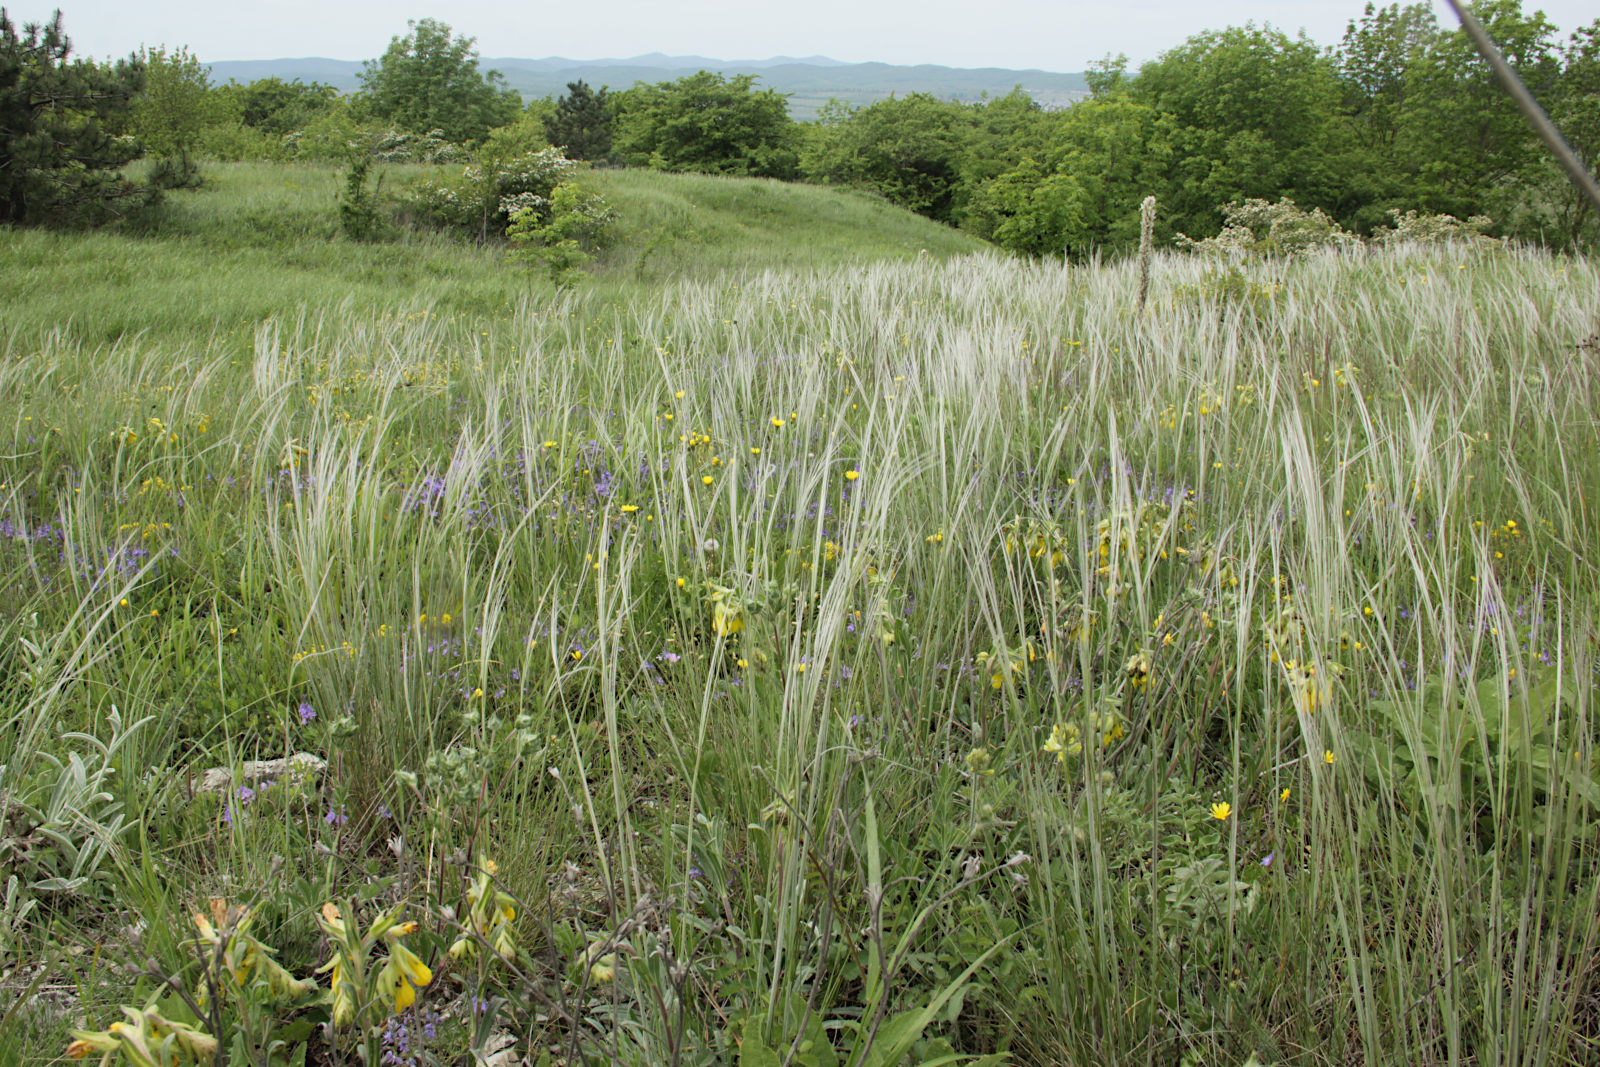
(1253,116)
(429,80)
(1083,192)
(277,107)
(58,828)
(1462,139)
(172,113)
(564,236)
(501,181)
(706,122)
(580,124)
(1482,756)
(1416,228)
(911,150)
(358,207)
(60,122)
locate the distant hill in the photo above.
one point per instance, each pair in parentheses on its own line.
(810,82)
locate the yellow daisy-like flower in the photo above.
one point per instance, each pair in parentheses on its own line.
(852,475)
(630,507)
(1328,757)
(1283,796)
(1221,810)
(776,422)
(707,480)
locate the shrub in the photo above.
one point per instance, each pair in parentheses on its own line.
(576,224)
(1260,228)
(482,199)
(1414,228)
(358,206)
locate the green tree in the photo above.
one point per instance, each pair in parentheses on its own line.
(910,149)
(1374,59)
(581,123)
(172,113)
(705,122)
(1463,146)
(429,80)
(1575,108)
(279,107)
(1257,115)
(59,156)
(1105,155)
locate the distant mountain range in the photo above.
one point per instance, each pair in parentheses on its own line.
(810,81)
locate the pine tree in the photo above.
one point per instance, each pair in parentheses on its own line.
(60,155)
(581,123)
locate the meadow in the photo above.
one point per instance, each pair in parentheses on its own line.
(812,641)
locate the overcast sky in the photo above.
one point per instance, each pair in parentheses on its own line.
(1062,35)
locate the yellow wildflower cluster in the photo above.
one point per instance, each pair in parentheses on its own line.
(352,986)
(226,945)
(1067,738)
(1008,663)
(145,1039)
(1137,668)
(490,914)
(727,611)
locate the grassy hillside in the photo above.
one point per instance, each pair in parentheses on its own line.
(262,237)
(930,660)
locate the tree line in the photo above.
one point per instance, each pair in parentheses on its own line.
(1401,115)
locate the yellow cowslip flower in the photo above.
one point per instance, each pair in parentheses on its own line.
(1222,810)
(403,972)
(87,1042)
(1064,741)
(725,621)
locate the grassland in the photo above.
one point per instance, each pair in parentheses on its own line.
(841,659)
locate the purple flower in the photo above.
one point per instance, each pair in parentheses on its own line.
(307,713)
(336,818)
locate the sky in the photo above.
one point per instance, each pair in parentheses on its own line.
(1059,35)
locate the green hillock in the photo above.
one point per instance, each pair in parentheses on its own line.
(262,237)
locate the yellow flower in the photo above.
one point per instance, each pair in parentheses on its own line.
(1283,796)
(725,620)
(1327,756)
(776,422)
(706,480)
(403,973)
(630,507)
(604,969)
(1222,810)
(852,475)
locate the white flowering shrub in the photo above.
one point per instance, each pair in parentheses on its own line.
(1261,228)
(482,199)
(1415,228)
